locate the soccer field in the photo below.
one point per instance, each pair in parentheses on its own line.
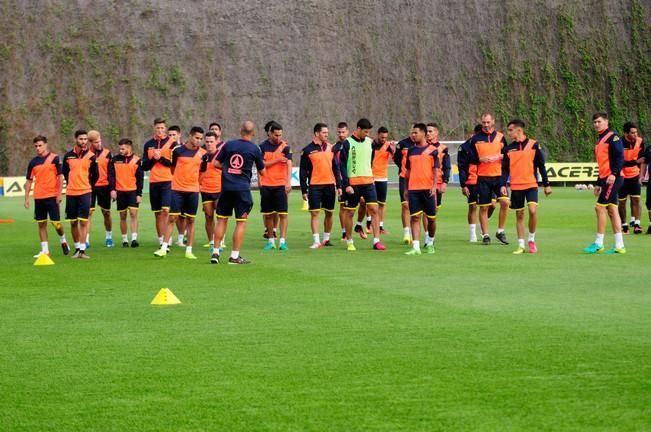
(471,338)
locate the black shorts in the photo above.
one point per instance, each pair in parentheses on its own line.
(101,196)
(631,187)
(273,199)
(44,207)
(207,197)
(401,189)
(321,197)
(609,193)
(518,197)
(439,198)
(422,201)
(648,196)
(240,202)
(126,200)
(184,203)
(78,207)
(381,190)
(472,193)
(160,195)
(366,191)
(487,189)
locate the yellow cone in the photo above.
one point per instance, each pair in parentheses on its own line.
(43,260)
(165,297)
(306,207)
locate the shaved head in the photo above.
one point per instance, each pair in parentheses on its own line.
(248,129)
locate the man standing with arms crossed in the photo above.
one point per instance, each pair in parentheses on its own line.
(468,182)
(45,169)
(174,133)
(521,160)
(400,159)
(157,158)
(632,187)
(609,153)
(101,191)
(236,160)
(210,181)
(80,171)
(383,150)
(125,182)
(357,181)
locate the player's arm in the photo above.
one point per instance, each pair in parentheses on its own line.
(290,165)
(140,181)
(616,158)
(506,170)
(436,167)
(173,161)
(539,163)
(145,161)
(111,179)
(166,162)
(462,165)
(446,169)
(397,155)
(65,167)
(305,171)
(407,175)
(343,166)
(93,172)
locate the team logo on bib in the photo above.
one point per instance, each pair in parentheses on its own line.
(236,162)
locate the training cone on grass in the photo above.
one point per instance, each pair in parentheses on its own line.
(165,297)
(43,260)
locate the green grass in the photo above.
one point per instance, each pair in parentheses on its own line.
(472,338)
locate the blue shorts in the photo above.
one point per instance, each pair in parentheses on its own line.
(273,199)
(630,188)
(422,201)
(126,200)
(366,191)
(401,189)
(519,196)
(472,193)
(381,189)
(240,202)
(160,196)
(44,207)
(184,203)
(487,189)
(207,197)
(321,197)
(101,196)
(609,193)
(78,207)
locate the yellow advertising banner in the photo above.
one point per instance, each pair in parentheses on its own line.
(14,186)
(572,171)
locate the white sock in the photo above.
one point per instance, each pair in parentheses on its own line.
(407,231)
(381,224)
(376,240)
(349,242)
(619,241)
(315,238)
(82,247)
(500,230)
(180,239)
(164,245)
(326,236)
(282,240)
(45,248)
(212,243)
(160,240)
(368,219)
(222,244)
(125,238)
(632,220)
(62,239)
(134,236)
(416,244)
(188,249)
(532,237)
(473,229)
(358,224)
(109,235)
(637,222)
(235,254)
(521,243)
(271,240)
(77,245)
(343,231)
(599,240)
(428,239)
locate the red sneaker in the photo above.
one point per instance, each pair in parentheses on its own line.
(532,247)
(359,230)
(379,246)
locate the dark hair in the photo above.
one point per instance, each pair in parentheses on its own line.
(478,128)
(196,129)
(125,141)
(627,127)
(274,126)
(602,115)
(319,126)
(159,120)
(39,138)
(211,134)
(342,125)
(382,129)
(174,128)
(421,126)
(268,125)
(434,125)
(516,123)
(364,123)
(215,124)
(80,132)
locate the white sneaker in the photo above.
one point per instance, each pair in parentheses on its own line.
(315,246)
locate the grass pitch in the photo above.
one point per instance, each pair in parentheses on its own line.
(471,338)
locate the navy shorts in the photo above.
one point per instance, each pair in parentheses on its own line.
(240,202)
(102,197)
(609,193)
(366,191)
(487,189)
(630,187)
(321,197)
(207,197)
(184,203)
(160,195)
(273,199)
(519,196)
(401,189)
(44,207)
(422,201)
(126,200)
(78,207)
(381,189)
(439,198)
(472,193)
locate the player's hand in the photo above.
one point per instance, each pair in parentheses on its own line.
(27,203)
(432,192)
(610,180)
(548,190)
(503,191)
(444,186)
(350,190)
(288,188)
(304,197)
(339,192)
(138,199)
(114,195)
(597,190)
(283,160)
(58,199)
(465,191)
(157,154)
(405,195)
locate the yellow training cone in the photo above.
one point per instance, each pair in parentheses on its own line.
(43,260)
(165,297)
(306,207)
